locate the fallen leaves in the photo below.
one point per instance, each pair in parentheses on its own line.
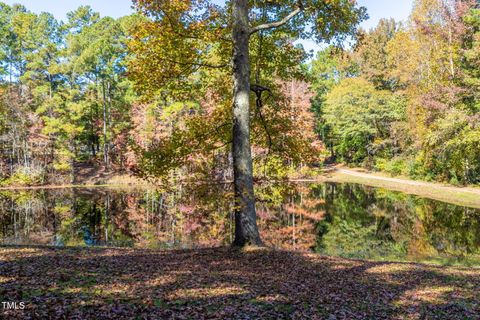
(223,283)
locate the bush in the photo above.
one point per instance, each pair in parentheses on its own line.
(395,166)
(25,176)
(452,149)
(415,168)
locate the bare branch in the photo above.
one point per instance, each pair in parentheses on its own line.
(277,24)
(258,89)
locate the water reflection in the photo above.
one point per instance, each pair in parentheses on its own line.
(346,220)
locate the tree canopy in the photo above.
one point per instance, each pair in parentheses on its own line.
(429,68)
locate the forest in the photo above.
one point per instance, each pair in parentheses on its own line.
(405,98)
(401,98)
(194,160)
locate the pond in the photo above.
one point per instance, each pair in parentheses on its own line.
(347,220)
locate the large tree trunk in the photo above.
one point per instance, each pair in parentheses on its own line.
(105,137)
(246,231)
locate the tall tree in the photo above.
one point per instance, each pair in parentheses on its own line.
(96,51)
(371,56)
(191,30)
(362,119)
(471,62)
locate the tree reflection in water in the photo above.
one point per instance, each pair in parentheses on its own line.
(345,220)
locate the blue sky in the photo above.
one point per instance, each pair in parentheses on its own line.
(377,9)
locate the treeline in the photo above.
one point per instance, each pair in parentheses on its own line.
(64,95)
(405,98)
(75,94)
(127,94)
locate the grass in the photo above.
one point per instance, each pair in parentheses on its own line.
(222,283)
(446,193)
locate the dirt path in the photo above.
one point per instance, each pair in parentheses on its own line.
(409,182)
(465,196)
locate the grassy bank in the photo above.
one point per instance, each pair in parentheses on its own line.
(112,181)
(463,196)
(226,284)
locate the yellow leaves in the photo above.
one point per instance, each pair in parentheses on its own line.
(23,23)
(401,51)
(171,47)
(174,110)
(165,6)
(426,54)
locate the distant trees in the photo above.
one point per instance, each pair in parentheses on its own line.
(363,119)
(64,92)
(430,67)
(371,57)
(153,92)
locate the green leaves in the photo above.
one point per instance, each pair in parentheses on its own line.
(452,148)
(430,67)
(360,115)
(182,52)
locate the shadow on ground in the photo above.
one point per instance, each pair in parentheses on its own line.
(223,283)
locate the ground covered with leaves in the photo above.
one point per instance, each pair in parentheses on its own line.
(222,283)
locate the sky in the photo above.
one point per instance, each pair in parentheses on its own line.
(377,9)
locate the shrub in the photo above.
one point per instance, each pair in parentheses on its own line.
(25,176)
(395,166)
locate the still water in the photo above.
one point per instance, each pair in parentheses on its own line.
(346,220)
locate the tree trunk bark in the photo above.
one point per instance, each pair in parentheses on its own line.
(246,230)
(105,138)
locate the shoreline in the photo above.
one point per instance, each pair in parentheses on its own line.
(75,186)
(468,196)
(462,196)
